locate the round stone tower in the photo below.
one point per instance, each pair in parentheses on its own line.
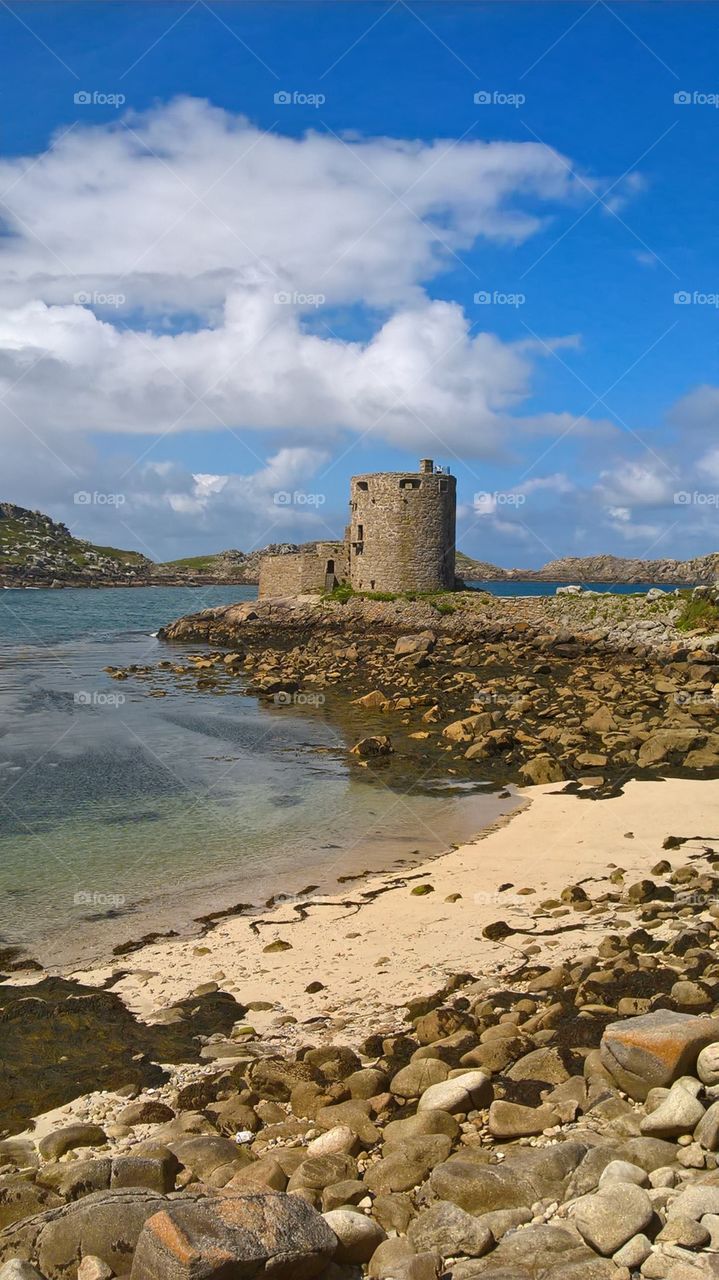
(402,530)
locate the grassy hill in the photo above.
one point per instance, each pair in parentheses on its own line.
(36,549)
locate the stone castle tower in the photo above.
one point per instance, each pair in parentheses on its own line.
(400,538)
(402,530)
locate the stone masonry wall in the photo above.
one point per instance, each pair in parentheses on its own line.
(303,572)
(407,523)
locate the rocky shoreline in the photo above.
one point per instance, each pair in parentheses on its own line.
(503,1063)
(532,689)
(555,1116)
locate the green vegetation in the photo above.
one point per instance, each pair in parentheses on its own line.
(440,600)
(699,613)
(32,542)
(199,563)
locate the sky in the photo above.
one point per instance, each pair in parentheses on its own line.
(248,250)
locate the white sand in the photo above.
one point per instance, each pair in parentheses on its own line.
(372,955)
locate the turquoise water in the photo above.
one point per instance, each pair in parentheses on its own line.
(121,813)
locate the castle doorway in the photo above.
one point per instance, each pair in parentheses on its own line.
(330,579)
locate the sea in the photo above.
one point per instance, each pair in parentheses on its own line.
(123,814)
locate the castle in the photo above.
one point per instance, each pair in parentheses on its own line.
(401,537)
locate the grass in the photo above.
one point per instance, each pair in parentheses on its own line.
(438,599)
(18,539)
(191,562)
(698,614)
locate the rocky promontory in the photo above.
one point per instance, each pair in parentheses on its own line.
(536,689)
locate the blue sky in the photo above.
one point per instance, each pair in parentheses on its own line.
(493,283)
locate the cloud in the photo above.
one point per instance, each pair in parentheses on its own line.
(180,270)
(172,207)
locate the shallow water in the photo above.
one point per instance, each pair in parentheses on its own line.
(122,813)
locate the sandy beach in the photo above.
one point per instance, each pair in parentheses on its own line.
(379,943)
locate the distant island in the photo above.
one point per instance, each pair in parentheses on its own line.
(38,551)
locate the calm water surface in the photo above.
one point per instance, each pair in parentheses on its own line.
(121,812)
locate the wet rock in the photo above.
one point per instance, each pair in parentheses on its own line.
(654,1049)
(358,1235)
(608,1219)
(379,745)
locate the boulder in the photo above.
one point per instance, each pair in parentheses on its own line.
(55,1144)
(542,769)
(21,1199)
(448,1230)
(546,1252)
(466,1092)
(412,1081)
(679,1113)
(241,1235)
(708,1064)
(419,1125)
(655,1049)
(548,1064)
(15,1269)
(358,1236)
(511,1120)
(608,1219)
(106,1224)
(408,1163)
(318,1172)
(481,1189)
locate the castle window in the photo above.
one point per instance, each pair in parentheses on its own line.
(362,484)
(406,483)
(443,486)
(360,532)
